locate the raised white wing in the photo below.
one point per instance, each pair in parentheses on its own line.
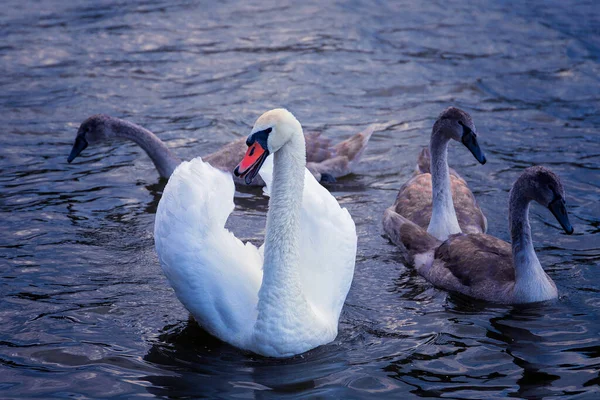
(214,274)
(327,247)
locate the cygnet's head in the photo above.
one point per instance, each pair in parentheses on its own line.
(95,129)
(544,186)
(454,123)
(271,132)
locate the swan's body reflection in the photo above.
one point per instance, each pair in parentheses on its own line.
(195,358)
(524,345)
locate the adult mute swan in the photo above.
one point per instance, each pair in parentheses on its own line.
(441,201)
(284,298)
(485,267)
(325,161)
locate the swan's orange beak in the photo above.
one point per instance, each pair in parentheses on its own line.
(250,165)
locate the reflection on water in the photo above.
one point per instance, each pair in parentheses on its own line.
(85,310)
(194,358)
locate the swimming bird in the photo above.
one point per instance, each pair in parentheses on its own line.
(278,300)
(437,198)
(483,266)
(325,162)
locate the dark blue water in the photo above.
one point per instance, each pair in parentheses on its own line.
(84,308)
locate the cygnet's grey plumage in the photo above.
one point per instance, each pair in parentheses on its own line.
(415,200)
(323,160)
(483,266)
(424,163)
(99,128)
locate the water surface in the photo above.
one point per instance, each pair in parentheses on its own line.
(85,310)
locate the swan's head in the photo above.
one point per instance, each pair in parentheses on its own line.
(454,123)
(271,132)
(543,186)
(95,129)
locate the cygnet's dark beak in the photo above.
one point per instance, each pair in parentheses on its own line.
(559,210)
(79,145)
(469,139)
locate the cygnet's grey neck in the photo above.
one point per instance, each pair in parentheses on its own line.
(531,282)
(164,161)
(443,216)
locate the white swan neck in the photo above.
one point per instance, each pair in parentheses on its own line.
(281,277)
(531,281)
(283,310)
(443,221)
(164,161)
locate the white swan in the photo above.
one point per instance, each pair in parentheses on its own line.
(284,298)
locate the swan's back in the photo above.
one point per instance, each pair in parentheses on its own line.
(477,265)
(213,273)
(329,242)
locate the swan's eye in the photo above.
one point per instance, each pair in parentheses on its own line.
(260,137)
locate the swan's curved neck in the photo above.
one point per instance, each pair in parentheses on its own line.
(531,282)
(282,305)
(443,216)
(164,161)
(282,247)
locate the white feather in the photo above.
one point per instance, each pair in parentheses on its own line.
(218,278)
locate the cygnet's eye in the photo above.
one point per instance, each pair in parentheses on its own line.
(553,190)
(466,129)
